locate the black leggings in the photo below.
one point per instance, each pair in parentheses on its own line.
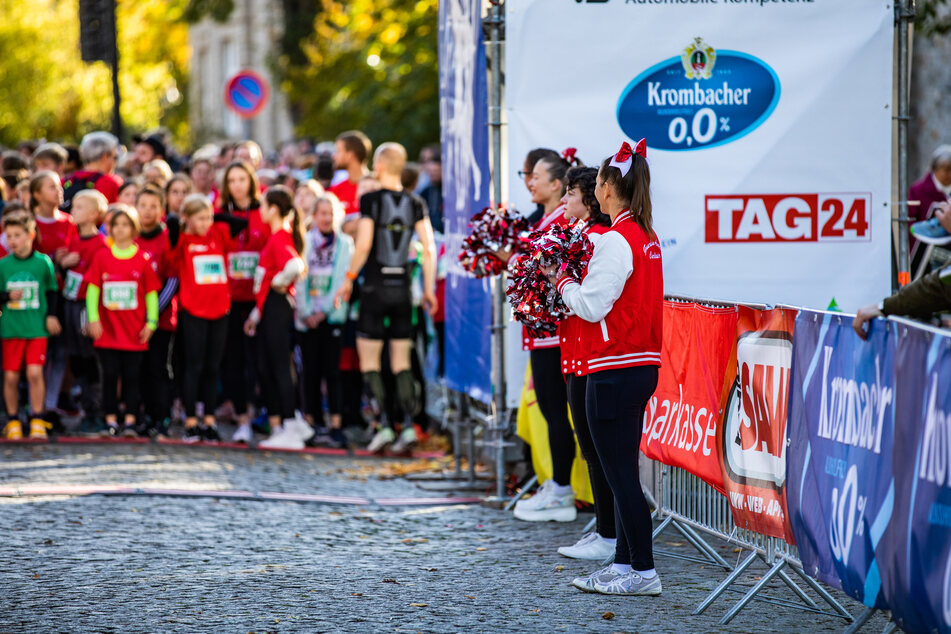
(600,489)
(320,358)
(238,370)
(274,346)
(615,402)
(156,377)
(124,364)
(204,341)
(552,396)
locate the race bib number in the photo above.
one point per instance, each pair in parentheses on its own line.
(243,264)
(258,278)
(209,269)
(31,295)
(74,281)
(319,285)
(120,295)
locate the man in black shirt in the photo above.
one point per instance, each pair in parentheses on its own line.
(388,219)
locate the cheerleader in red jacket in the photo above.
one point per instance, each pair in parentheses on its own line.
(620,303)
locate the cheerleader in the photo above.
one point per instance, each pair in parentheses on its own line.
(620,304)
(272,319)
(582,205)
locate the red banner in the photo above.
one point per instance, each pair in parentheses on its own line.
(683,415)
(752,437)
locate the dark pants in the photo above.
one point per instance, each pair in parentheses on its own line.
(600,489)
(239,370)
(320,358)
(124,364)
(156,376)
(274,346)
(552,396)
(615,402)
(204,341)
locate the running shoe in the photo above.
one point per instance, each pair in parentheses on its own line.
(382,439)
(406,441)
(605,575)
(192,434)
(297,425)
(930,232)
(592,547)
(629,584)
(547,505)
(111,430)
(13,430)
(38,428)
(209,433)
(242,434)
(129,431)
(283,438)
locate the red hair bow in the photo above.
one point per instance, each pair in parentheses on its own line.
(569,155)
(625,156)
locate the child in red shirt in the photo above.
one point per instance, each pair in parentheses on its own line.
(198,260)
(155,241)
(89,206)
(122,303)
(273,316)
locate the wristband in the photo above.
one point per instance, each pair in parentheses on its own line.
(352,276)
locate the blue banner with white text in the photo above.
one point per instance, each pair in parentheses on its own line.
(463,101)
(840,482)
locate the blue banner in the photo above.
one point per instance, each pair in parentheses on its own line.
(918,585)
(839,478)
(463,101)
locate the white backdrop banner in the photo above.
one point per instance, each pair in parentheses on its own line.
(768,124)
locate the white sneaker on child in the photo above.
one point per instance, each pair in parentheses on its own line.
(283,438)
(299,426)
(242,434)
(548,505)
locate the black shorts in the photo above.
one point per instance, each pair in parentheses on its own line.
(385,311)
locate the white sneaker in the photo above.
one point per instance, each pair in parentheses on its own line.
(406,440)
(299,426)
(592,547)
(381,439)
(242,434)
(546,505)
(283,438)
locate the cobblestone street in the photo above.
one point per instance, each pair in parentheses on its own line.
(150,564)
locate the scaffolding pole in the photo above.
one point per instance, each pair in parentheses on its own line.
(904,14)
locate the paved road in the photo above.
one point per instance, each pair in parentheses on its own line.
(151,564)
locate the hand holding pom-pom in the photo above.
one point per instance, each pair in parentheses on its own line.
(496,236)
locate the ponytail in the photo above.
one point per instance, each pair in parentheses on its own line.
(281,197)
(634,189)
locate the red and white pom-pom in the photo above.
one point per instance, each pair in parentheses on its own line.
(492,230)
(535,302)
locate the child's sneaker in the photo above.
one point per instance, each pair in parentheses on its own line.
(129,431)
(38,428)
(13,430)
(930,232)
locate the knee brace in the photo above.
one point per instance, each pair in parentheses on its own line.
(374,383)
(408,393)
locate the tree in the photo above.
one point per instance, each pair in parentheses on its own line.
(369,65)
(933,17)
(48,92)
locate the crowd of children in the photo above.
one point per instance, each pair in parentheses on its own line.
(138,300)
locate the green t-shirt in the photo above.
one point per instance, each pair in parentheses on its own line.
(26,317)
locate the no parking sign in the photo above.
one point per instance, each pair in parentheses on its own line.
(247,93)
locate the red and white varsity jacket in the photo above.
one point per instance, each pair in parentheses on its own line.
(620,300)
(570,329)
(556,217)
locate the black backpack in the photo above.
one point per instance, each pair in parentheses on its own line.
(74,185)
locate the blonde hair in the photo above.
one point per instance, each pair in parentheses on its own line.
(95,196)
(195,204)
(122,209)
(161,166)
(335,206)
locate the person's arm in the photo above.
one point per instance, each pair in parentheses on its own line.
(608,271)
(151,310)
(361,252)
(424,229)
(920,299)
(169,291)
(174,225)
(292,271)
(235,225)
(92,310)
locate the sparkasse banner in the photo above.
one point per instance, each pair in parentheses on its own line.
(768,127)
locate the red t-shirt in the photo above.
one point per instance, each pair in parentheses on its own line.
(199,262)
(87,248)
(53,233)
(346,192)
(123,286)
(278,251)
(107,184)
(244,254)
(158,248)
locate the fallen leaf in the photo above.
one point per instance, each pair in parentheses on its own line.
(356,594)
(391,581)
(675,543)
(737,550)
(430,569)
(559,568)
(420,540)
(469,596)
(608,615)
(408,540)
(419,605)
(481,548)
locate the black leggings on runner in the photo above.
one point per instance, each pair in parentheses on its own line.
(320,358)
(274,346)
(156,377)
(204,341)
(615,402)
(238,369)
(124,364)
(552,396)
(600,489)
